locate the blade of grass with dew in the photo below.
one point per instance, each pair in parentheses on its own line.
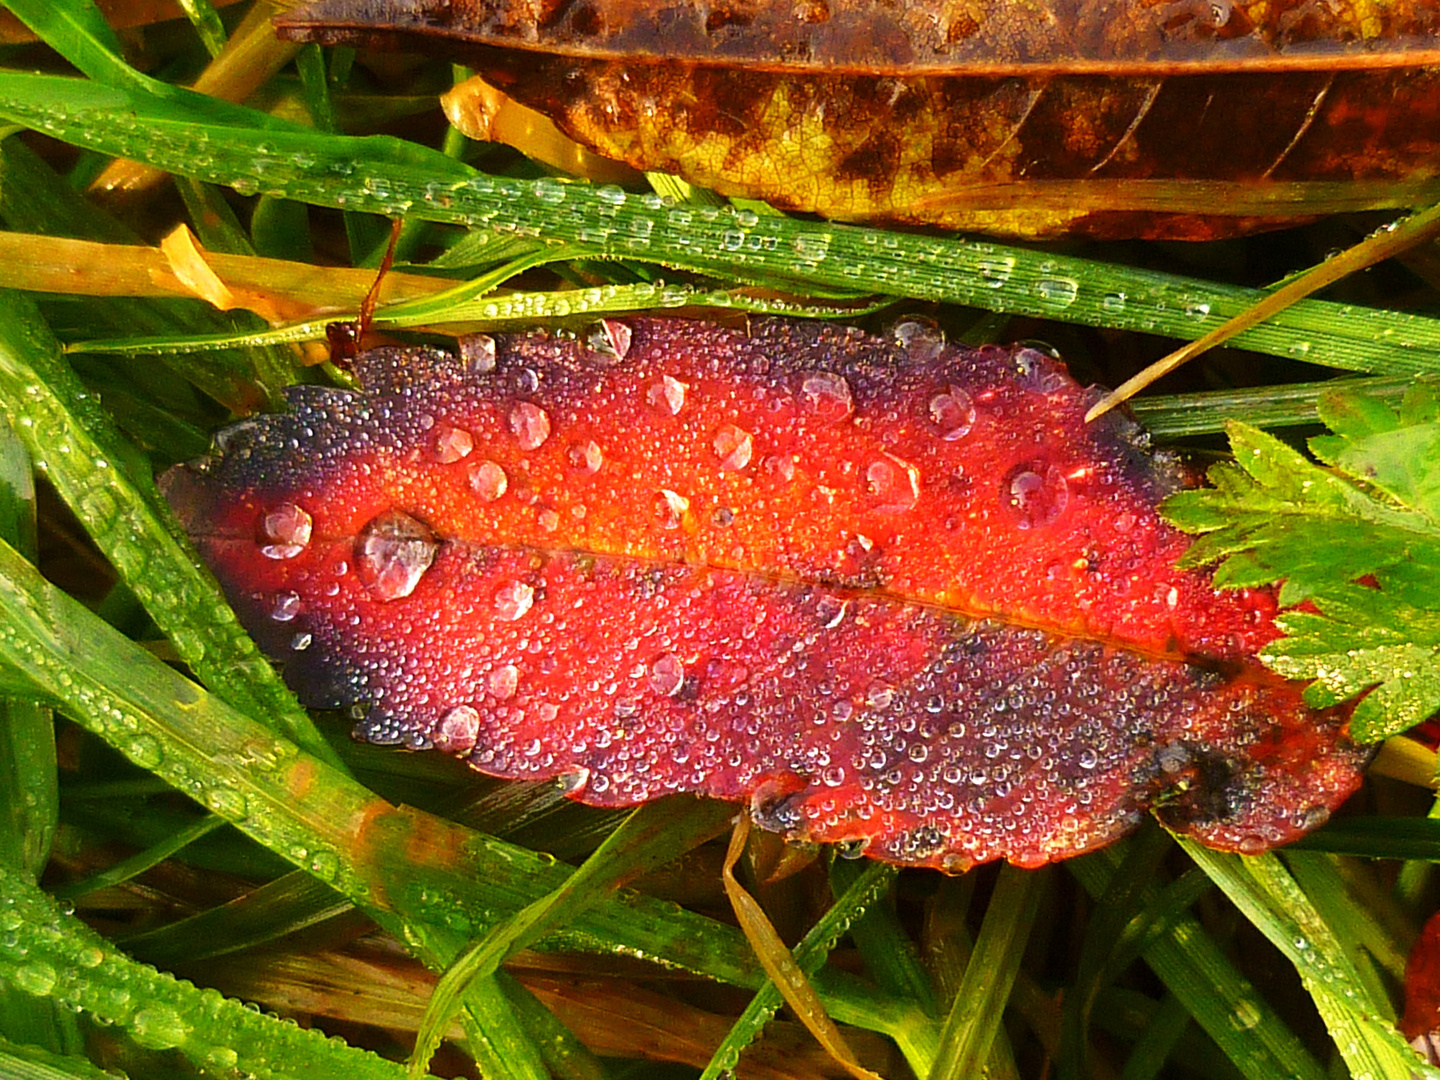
(1363,936)
(650,836)
(1223,1002)
(29,792)
(1112,939)
(809,955)
(74,444)
(26,1061)
(57,957)
(889,954)
(511,311)
(1263,889)
(1172,416)
(391,177)
(975,1014)
(564,1054)
(1394,239)
(376,854)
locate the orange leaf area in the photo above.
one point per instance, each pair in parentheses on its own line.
(894,593)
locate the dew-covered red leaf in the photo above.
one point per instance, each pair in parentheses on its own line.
(1186,119)
(892,592)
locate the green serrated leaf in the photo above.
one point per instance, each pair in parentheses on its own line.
(1358,541)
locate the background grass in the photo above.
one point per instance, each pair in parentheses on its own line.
(181,810)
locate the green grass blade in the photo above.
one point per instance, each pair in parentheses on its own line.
(1261,887)
(73,442)
(974,1020)
(29,793)
(393,178)
(54,956)
(916,1040)
(141,861)
(24,1061)
(1223,1002)
(78,32)
(652,835)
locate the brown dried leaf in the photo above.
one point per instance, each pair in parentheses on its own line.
(998,118)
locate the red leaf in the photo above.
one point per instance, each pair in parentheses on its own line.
(894,593)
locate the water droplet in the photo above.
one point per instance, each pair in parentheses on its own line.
(477,352)
(1197,309)
(827,395)
(158,1028)
(1039,373)
(585,457)
(673,508)
(488,480)
(1113,301)
(894,485)
(285,607)
(36,978)
(573,782)
(392,553)
(610,338)
(286,531)
(549,190)
(995,272)
(667,675)
(457,731)
(1035,494)
(452,444)
(852,849)
(530,425)
(830,610)
(503,681)
(301,642)
(920,337)
(733,446)
(145,751)
(952,413)
(1060,292)
(667,395)
(513,600)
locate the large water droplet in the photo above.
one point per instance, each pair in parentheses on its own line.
(488,480)
(1035,494)
(827,395)
(667,675)
(286,530)
(667,395)
(952,413)
(159,1028)
(477,352)
(503,681)
(733,446)
(285,607)
(894,485)
(392,553)
(920,337)
(513,600)
(673,508)
(451,444)
(457,731)
(585,457)
(610,338)
(530,425)
(1061,292)
(1039,373)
